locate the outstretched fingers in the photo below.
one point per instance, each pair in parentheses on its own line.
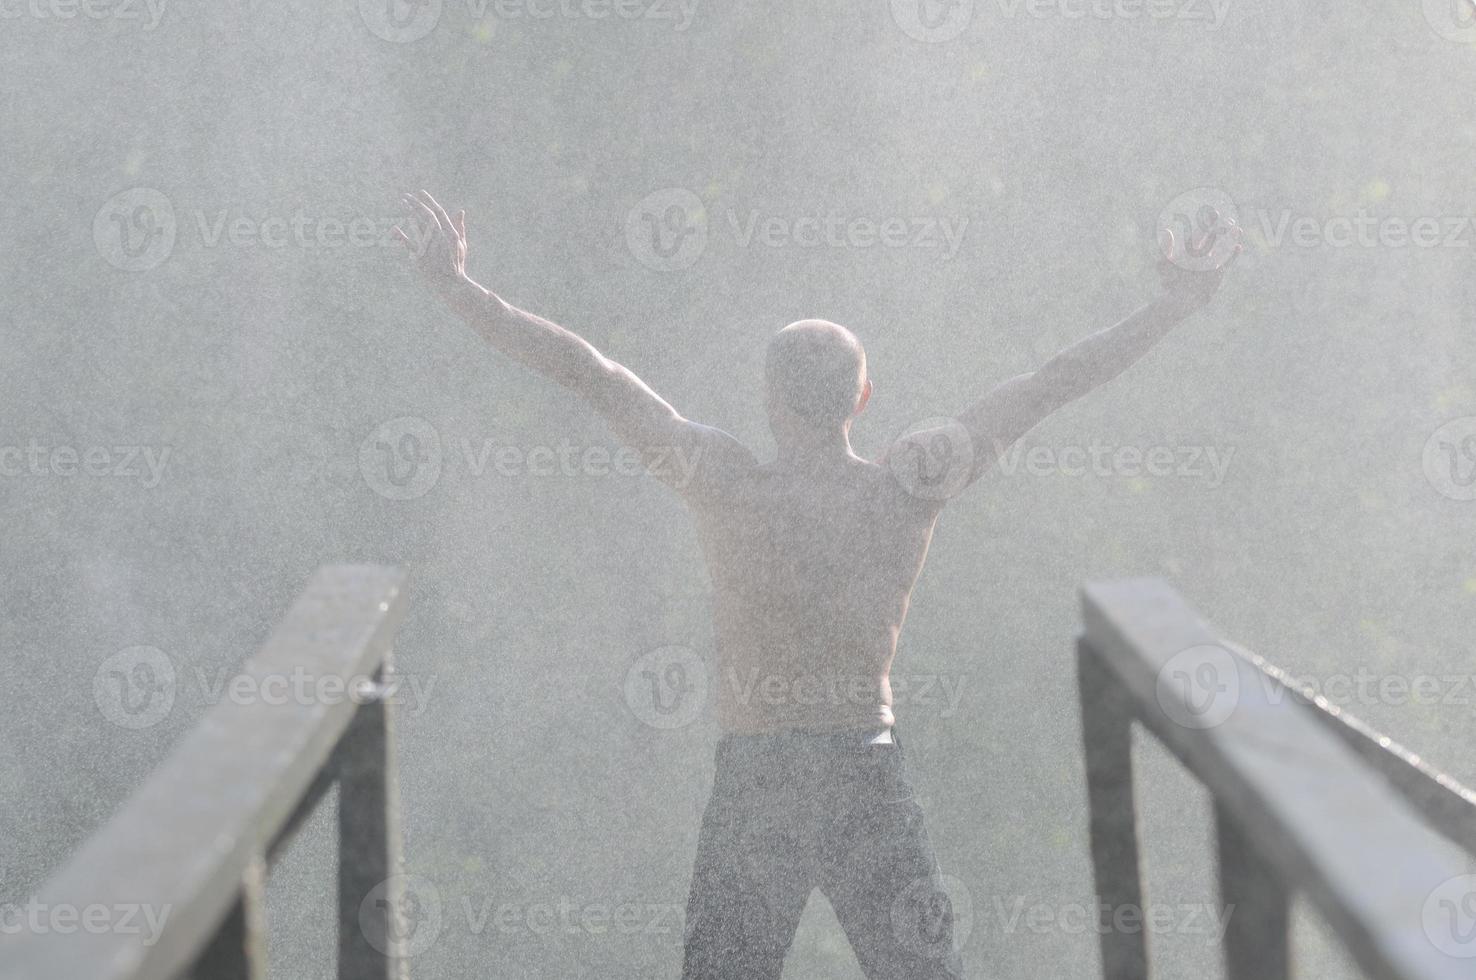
(1237,235)
(435,208)
(419,207)
(1167,242)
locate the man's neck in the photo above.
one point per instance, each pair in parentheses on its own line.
(815,447)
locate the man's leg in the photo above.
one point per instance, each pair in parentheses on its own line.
(882,878)
(752,875)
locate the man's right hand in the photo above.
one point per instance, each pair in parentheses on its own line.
(1185,287)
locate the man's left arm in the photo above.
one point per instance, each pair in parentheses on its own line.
(1017,405)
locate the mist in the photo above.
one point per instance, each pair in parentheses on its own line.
(223,370)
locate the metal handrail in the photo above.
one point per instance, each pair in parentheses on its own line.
(192,846)
(1306,801)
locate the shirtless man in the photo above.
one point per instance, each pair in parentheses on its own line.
(813,556)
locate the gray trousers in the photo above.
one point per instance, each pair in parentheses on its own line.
(794,812)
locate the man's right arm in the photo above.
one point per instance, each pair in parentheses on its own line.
(1008,411)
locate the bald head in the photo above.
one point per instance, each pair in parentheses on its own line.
(816,369)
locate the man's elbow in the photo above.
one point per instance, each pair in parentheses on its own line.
(1064,380)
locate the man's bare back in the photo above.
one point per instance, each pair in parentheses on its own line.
(812,569)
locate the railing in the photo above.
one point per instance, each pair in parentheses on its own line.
(196,841)
(1306,800)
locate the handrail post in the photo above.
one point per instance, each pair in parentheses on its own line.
(238,950)
(1106,721)
(369,928)
(1256,905)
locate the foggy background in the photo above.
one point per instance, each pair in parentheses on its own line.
(264,358)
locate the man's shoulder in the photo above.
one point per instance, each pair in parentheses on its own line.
(706,461)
